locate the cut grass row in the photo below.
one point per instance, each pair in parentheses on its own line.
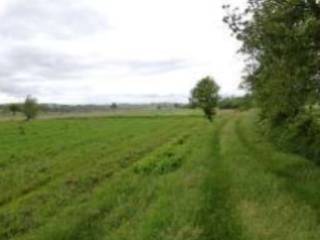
(82,176)
(95,154)
(107,203)
(141,206)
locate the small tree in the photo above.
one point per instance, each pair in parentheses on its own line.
(14,108)
(113,106)
(205,96)
(30,108)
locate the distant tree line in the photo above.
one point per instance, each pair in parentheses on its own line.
(30,108)
(282,42)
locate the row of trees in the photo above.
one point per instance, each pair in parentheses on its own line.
(282,42)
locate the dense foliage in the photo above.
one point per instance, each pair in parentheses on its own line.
(282,42)
(205,96)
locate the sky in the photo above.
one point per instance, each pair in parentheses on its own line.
(102,51)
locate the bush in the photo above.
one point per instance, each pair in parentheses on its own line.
(301,135)
(241,103)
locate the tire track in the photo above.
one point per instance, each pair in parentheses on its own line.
(265,199)
(217,215)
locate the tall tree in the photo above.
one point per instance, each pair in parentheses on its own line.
(282,42)
(205,96)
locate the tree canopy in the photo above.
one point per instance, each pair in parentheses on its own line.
(282,42)
(281,39)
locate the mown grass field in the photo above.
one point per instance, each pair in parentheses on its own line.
(162,177)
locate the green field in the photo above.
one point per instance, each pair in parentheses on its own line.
(153,177)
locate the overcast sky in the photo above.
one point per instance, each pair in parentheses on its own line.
(101,51)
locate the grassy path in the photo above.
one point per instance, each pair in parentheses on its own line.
(157,179)
(274,195)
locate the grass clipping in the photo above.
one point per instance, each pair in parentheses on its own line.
(167,159)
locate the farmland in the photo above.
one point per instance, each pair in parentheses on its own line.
(153,177)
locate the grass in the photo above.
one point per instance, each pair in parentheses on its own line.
(155,177)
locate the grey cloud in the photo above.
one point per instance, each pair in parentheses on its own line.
(25,70)
(54,18)
(15,88)
(40,63)
(27,66)
(57,66)
(24,67)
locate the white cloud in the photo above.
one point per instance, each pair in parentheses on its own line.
(95,50)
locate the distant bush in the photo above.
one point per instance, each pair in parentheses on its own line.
(113,106)
(241,103)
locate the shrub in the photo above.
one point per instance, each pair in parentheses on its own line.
(300,135)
